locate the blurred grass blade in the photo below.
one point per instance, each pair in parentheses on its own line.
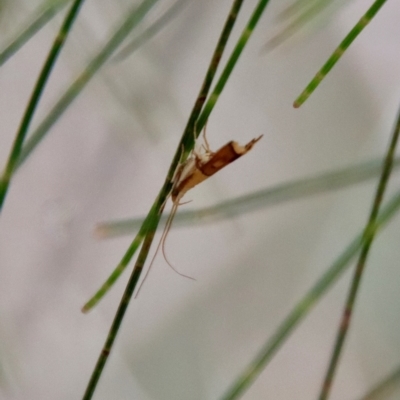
(334,58)
(307,11)
(386,388)
(156,210)
(305,305)
(134,17)
(299,6)
(237,51)
(369,234)
(46,12)
(295,190)
(35,97)
(151,31)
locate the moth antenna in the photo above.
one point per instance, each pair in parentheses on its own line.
(185,202)
(154,257)
(207,146)
(167,228)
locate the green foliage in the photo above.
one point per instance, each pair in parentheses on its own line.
(203,106)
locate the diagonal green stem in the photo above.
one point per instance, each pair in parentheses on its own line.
(45,14)
(369,235)
(334,58)
(384,388)
(35,97)
(298,22)
(157,209)
(306,304)
(193,125)
(237,51)
(134,17)
(119,315)
(276,195)
(92,302)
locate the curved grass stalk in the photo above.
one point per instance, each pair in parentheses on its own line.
(35,98)
(137,241)
(305,305)
(385,388)
(46,12)
(334,58)
(276,195)
(92,302)
(157,209)
(369,235)
(135,16)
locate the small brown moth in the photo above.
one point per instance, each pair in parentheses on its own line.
(197,168)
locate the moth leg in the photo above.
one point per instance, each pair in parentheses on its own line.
(207,145)
(204,146)
(178,172)
(161,244)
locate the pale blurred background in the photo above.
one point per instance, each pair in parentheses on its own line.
(107,157)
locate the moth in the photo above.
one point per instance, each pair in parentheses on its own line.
(198,167)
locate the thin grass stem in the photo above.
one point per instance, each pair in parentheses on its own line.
(306,304)
(298,6)
(134,17)
(337,54)
(46,12)
(296,24)
(276,195)
(35,97)
(385,388)
(92,302)
(369,235)
(157,209)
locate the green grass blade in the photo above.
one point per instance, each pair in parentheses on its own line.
(157,209)
(307,14)
(137,241)
(92,302)
(131,21)
(385,388)
(298,6)
(369,234)
(45,13)
(334,58)
(237,51)
(305,305)
(35,98)
(276,195)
